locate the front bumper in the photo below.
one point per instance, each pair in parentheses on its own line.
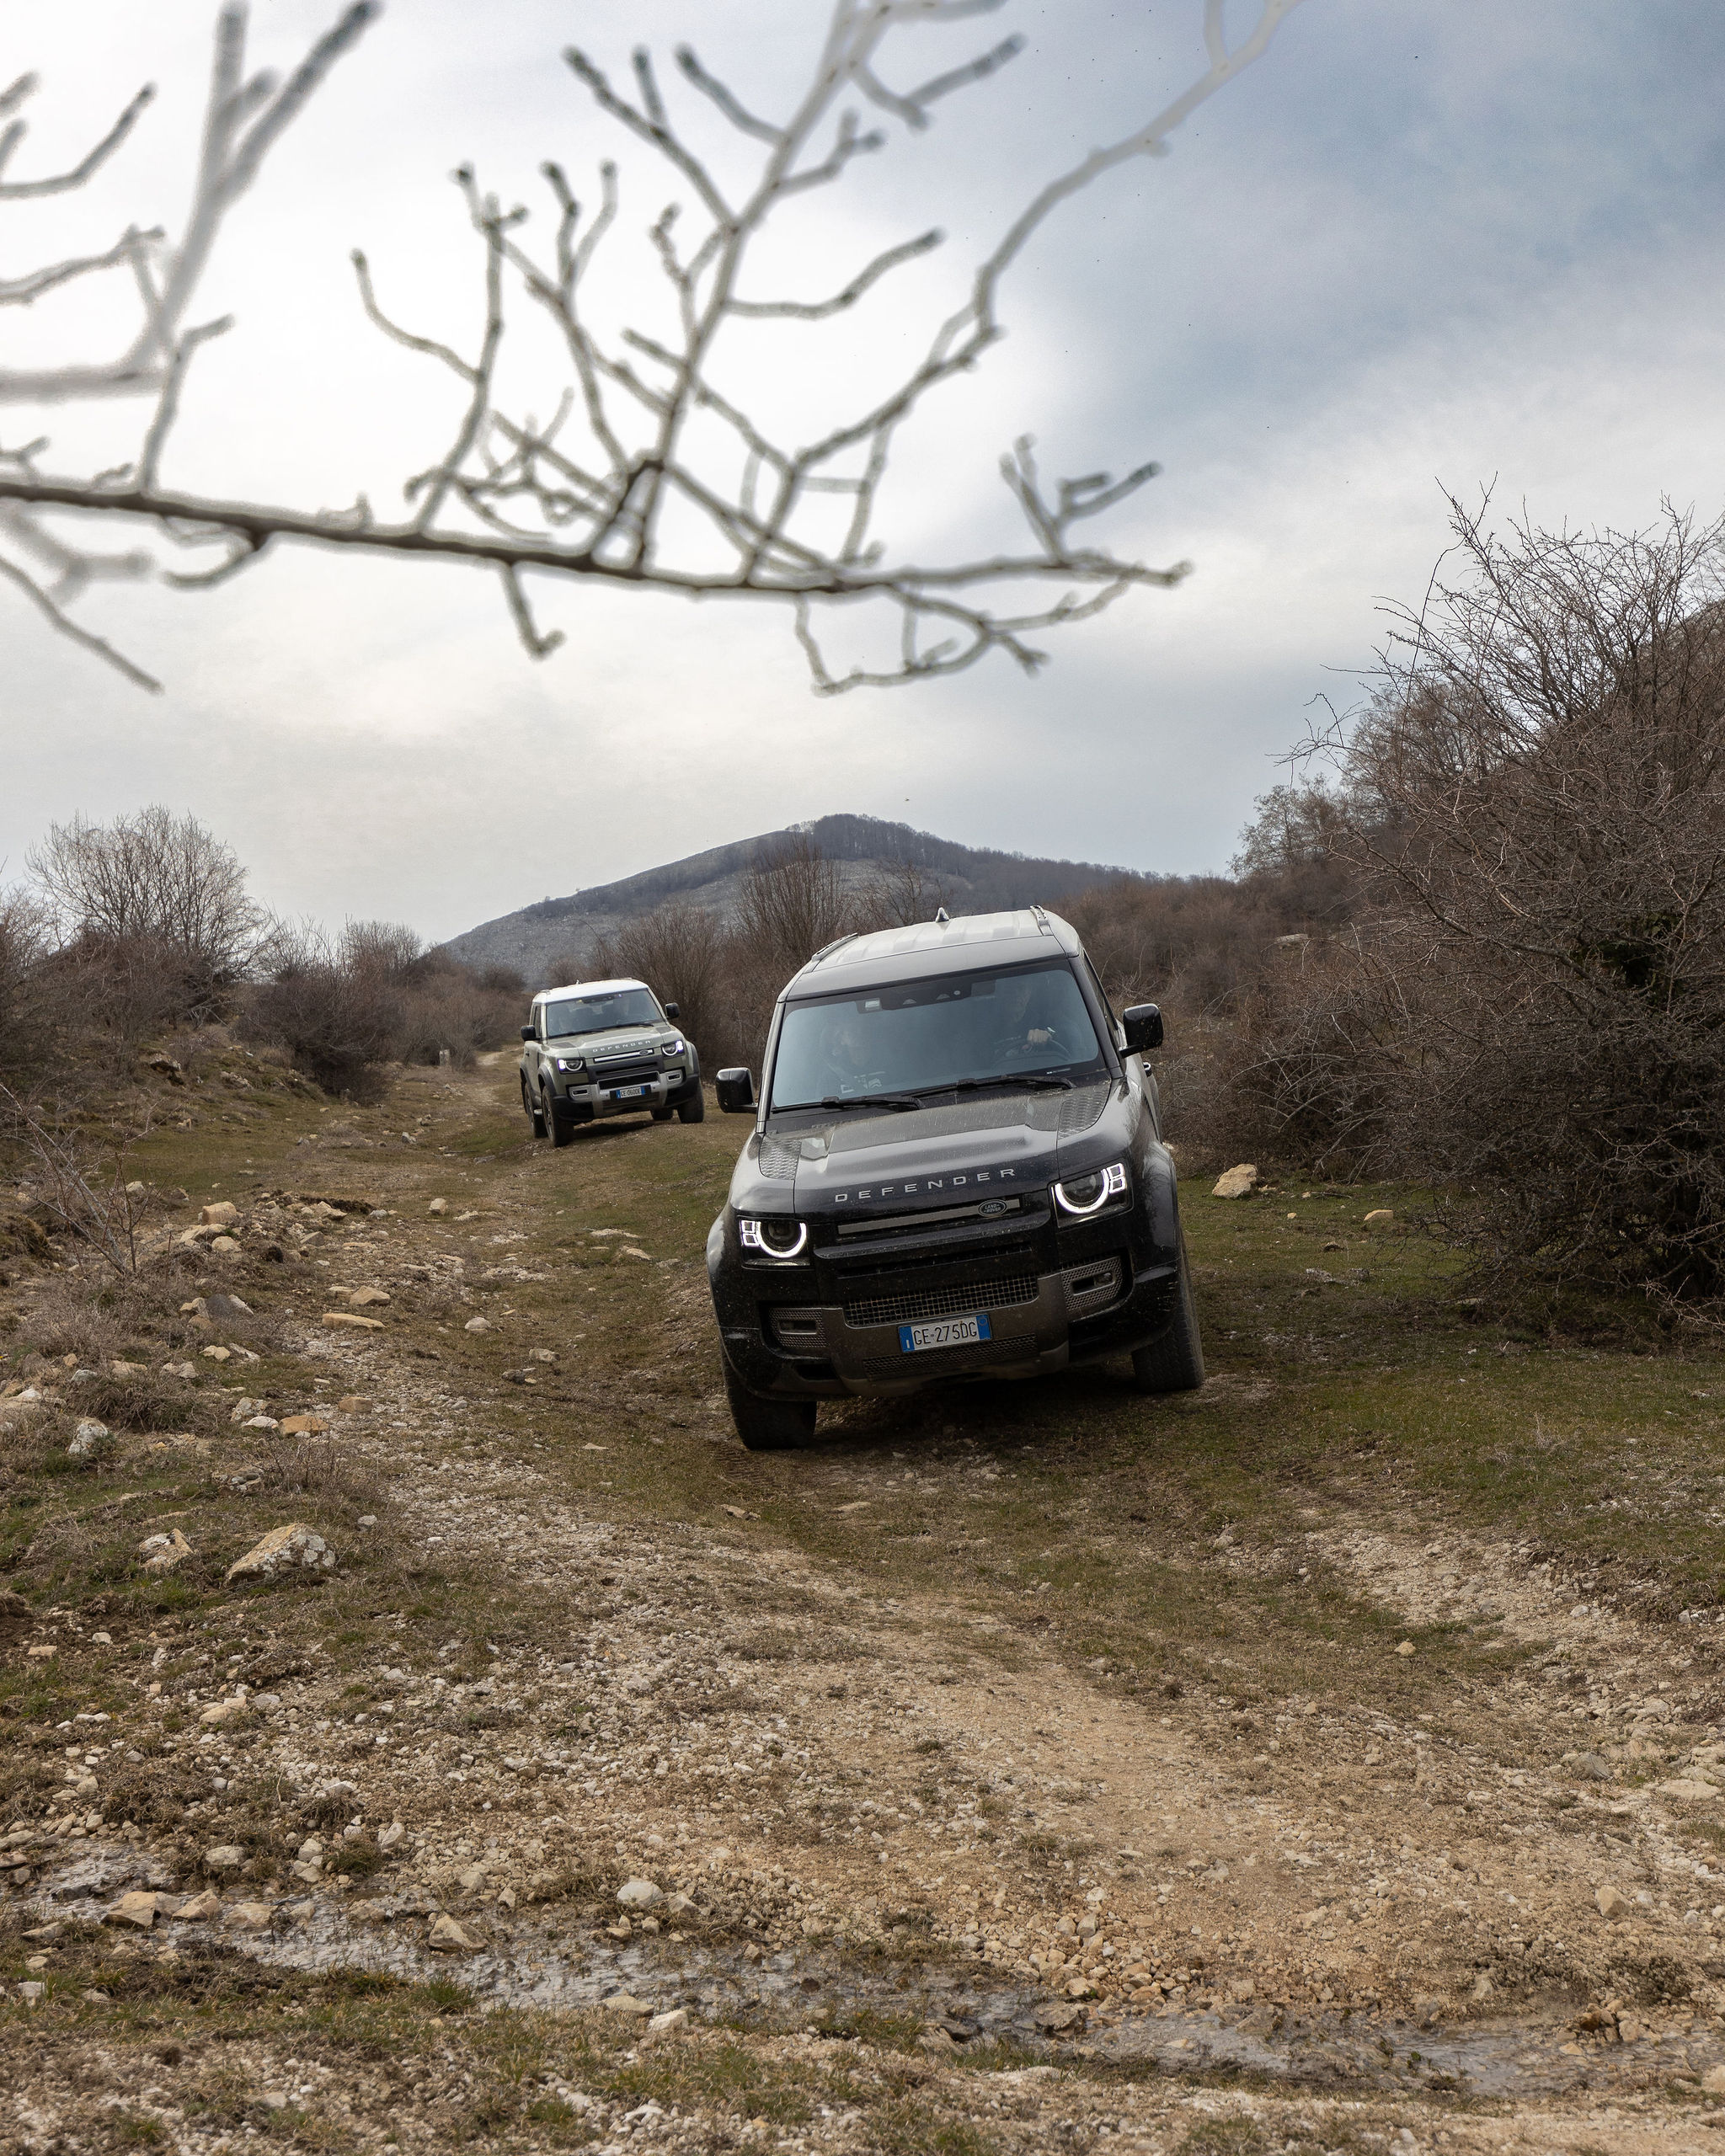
(665,1089)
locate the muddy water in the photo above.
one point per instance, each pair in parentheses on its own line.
(973,2013)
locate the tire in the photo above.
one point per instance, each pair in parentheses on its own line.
(767,1425)
(1175,1363)
(661,1115)
(559,1128)
(695,1110)
(533,1113)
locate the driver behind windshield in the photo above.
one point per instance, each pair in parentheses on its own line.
(919,1037)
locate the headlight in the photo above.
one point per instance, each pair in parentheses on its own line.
(671,1048)
(569,1062)
(1086,1194)
(775,1238)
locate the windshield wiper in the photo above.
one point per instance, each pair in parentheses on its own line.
(1030,1080)
(871,1101)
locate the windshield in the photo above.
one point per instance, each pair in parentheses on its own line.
(925,1036)
(601,1014)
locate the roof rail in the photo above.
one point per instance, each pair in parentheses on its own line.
(827,951)
(1041,927)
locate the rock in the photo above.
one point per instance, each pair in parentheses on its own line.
(90,1441)
(251,1916)
(221,1214)
(1236,1182)
(666,2024)
(226,1307)
(1688,1791)
(1055,2016)
(295,1547)
(472,1877)
(136,1908)
(1610,1903)
(126,1369)
(221,1710)
(1407,1647)
(345,1320)
(438,1207)
(201,1908)
(303,1426)
(1080,1987)
(541,1355)
(161,1553)
(260,1422)
(1589,1767)
(1713,2081)
(640,1894)
(216,1354)
(362,1298)
(447,1937)
(244,1406)
(224,1245)
(350,1403)
(225,1856)
(477,1325)
(622,2002)
(1381,1216)
(31,1993)
(391,1835)
(15,1613)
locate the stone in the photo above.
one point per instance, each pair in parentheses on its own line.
(666,2024)
(90,1441)
(472,1877)
(438,1207)
(391,1835)
(225,1856)
(1686,1791)
(350,1403)
(31,1993)
(362,1298)
(1381,1216)
(1406,1646)
(251,1916)
(201,1908)
(1236,1182)
(303,1426)
(216,1354)
(224,1245)
(640,1894)
(126,1369)
(219,1711)
(623,2002)
(1610,1903)
(1713,2081)
(446,1936)
(136,1908)
(227,1307)
(218,1216)
(290,1549)
(477,1325)
(1590,1767)
(1054,2017)
(161,1553)
(541,1355)
(347,1321)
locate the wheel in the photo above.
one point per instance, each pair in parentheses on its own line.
(1175,1363)
(531,1109)
(559,1128)
(695,1110)
(767,1425)
(661,1115)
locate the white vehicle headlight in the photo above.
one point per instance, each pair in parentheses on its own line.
(1089,1193)
(671,1048)
(568,1062)
(779,1238)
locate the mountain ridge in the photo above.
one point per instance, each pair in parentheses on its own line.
(978,879)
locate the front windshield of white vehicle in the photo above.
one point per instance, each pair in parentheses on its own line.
(1024,1023)
(601,1014)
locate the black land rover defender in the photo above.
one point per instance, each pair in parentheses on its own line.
(957,1170)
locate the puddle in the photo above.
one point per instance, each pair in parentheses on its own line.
(535,1967)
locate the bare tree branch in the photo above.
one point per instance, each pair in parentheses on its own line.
(647,417)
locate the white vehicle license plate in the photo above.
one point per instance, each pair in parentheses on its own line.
(944,1332)
(629,1092)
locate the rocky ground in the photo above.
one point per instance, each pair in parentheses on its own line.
(950,1785)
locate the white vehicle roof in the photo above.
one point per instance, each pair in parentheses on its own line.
(587,988)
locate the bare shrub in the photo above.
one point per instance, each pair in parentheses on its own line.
(26,1018)
(1533,803)
(340,1025)
(683,954)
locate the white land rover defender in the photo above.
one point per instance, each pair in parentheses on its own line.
(600,1048)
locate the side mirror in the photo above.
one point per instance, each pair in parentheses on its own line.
(1144,1028)
(529,1032)
(672,1012)
(736,1091)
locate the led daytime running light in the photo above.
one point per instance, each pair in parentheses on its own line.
(754,1239)
(1114,1185)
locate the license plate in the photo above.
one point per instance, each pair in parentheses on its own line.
(629,1092)
(944,1332)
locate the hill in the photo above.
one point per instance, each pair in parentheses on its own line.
(976,879)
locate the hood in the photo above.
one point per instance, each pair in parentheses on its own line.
(604,1045)
(905,1162)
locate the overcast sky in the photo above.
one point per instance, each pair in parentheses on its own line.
(1425,243)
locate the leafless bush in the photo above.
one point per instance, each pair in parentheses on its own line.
(667,463)
(27,1031)
(339,1025)
(1533,803)
(318,1466)
(683,954)
(85,1188)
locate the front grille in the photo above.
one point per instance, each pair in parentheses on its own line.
(943,1302)
(1089,1287)
(990,1209)
(625,1074)
(936,1362)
